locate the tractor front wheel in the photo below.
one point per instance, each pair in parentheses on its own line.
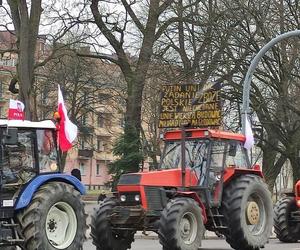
(104,237)
(181,225)
(286,229)
(55,218)
(248,212)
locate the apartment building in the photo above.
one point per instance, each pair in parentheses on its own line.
(99,123)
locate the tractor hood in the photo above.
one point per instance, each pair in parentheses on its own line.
(167,178)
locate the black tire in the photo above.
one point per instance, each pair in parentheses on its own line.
(247,194)
(181,225)
(104,238)
(285,230)
(38,219)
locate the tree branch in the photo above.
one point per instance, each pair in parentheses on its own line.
(133,16)
(99,56)
(122,58)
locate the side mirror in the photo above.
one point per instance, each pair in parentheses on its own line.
(232,150)
(11,137)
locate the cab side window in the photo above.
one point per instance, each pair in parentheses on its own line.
(47,151)
(236,157)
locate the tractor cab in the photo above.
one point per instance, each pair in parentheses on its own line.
(210,155)
(27,150)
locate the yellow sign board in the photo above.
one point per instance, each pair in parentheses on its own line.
(190,105)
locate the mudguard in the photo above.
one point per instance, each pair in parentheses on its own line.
(27,193)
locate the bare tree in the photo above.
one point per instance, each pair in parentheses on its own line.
(141,24)
(276,82)
(24,19)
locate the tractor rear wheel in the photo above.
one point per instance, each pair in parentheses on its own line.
(104,237)
(285,229)
(55,218)
(248,212)
(181,225)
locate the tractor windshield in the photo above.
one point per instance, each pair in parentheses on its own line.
(195,154)
(18,160)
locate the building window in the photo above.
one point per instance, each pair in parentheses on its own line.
(82,168)
(100,144)
(44,96)
(81,143)
(122,122)
(98,169)
(85,97)
(83,119)
(100,120)
(8,62)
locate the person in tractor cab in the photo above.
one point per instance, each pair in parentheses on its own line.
(47,151)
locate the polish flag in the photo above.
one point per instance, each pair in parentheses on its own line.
(16,110)
(67,130)
(249,142)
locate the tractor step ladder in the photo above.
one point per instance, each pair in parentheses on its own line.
(16,241)
(217,218)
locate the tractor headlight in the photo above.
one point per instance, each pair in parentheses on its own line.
(123,197)
(137,197)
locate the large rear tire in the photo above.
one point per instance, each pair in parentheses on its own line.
(104,237)
(286,230)
(55,219)
(248,212)
(181,225)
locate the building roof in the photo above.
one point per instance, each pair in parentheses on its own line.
(27,124)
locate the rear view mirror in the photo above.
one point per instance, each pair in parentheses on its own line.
(11,137)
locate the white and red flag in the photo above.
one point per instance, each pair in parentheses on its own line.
(67,130)
(249,142)
(16,110)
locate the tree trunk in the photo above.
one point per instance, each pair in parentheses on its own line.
(271,168)
(26,27)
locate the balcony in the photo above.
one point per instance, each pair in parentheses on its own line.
(85,153)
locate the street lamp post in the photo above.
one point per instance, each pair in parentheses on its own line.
(253,65)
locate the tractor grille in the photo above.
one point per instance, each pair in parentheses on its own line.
(154,198)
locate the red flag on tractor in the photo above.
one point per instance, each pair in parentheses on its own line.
(67,130)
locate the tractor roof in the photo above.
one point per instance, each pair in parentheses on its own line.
(203,133)
(27,124)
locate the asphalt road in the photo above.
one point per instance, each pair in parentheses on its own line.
(208,244)
(144,244)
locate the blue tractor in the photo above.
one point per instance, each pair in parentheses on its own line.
(40,207)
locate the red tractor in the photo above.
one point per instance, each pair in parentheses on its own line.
(205,182)
(287,216)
